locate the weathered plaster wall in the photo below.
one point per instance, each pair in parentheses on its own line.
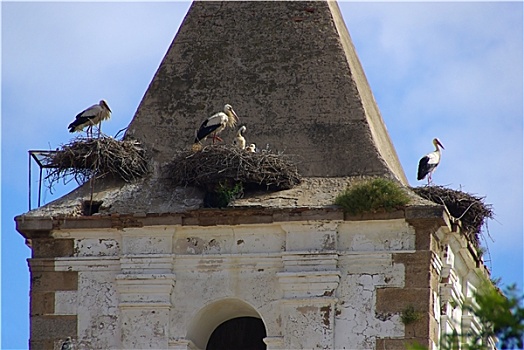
(313,283)
(95,259)
(320,284)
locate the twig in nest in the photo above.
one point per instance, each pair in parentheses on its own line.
(84,158)
(469,209)
(215,164)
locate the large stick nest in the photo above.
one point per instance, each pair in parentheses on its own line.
(84,158)
(469,209)
(214,165)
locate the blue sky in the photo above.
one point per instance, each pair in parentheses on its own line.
(448,70)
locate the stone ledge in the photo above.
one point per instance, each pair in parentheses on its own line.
(418,215)
(41,227)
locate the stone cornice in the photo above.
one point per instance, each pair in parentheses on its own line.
(34,227)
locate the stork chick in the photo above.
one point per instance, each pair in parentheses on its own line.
(91,116)
(428,163)
(215,124)
(239,140)
(251,148)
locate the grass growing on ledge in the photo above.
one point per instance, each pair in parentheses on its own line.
(410,315)
(371,196)
(223,194)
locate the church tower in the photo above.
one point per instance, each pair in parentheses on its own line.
(154,269)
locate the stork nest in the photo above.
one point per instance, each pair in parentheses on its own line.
(469,209)
(85,158)
(216,165)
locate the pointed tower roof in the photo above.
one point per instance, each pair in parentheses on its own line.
(290,71)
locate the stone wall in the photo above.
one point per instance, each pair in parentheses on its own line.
(462,273)
(342,282)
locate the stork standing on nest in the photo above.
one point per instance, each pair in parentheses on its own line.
(428,163)
(239,140)
(91,116)
(215,124)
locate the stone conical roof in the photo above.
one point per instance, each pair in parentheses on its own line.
(290,71)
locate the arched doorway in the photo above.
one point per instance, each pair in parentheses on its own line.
(241,333)
(220,312)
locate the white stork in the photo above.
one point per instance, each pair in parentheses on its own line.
(91,116)
(216,124)
(239,140)
(251,148)
(428,163)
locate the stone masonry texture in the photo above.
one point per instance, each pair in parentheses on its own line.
(286,69)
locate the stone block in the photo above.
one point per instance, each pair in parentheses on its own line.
(162,220)
(399,344)
(50,327)
(51,247)
(417,268)
(42,344)
(139,324)
(418,328)
(66,302)
(421,214)
(147,243)
(42,303)
(33,226)
(394,300)
(97,247)
(86,222)
(320,236)
(49,281)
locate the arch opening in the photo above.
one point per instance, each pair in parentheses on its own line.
(240,333)
(210,317)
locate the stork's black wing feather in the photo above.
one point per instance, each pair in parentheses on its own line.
(81,120)
(205,130)
(424,167)
(84,118)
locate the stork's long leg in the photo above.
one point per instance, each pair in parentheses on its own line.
(216,138)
